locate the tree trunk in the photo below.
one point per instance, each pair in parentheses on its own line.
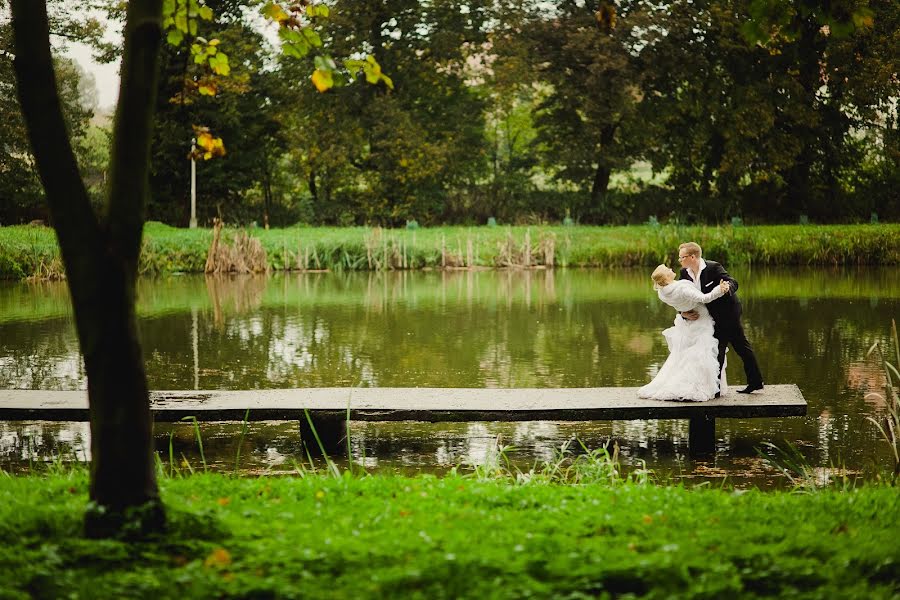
(267,195)
(313,191)
(600,184)
(603,171)
(101,258)
(123,479)
(799,176)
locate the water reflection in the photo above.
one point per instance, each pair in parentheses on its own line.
(572,328)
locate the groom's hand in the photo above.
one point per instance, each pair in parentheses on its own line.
(690,315)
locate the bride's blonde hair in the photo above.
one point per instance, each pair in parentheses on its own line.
(660,276)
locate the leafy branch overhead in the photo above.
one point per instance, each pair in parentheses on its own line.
(774,22)
(299,38)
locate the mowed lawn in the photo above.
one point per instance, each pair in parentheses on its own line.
(454,537)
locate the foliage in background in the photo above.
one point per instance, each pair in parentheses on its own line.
(21,196)
(610,113)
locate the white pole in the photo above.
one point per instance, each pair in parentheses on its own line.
(194,346)
(193,224)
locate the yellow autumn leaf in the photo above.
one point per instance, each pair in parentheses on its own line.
(323,80)
(204,139)
(275,12)
(207,89)
(219,557)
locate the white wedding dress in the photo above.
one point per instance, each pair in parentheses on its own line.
(691,371)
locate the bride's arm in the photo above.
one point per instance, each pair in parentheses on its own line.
(699,297)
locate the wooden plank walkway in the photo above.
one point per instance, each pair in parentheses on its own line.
(424,404)
(415,404)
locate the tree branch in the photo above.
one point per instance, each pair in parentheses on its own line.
(76,226)
(133,129)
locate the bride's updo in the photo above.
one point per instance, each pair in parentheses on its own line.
(662,276)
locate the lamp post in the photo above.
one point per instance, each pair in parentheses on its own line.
(193,223)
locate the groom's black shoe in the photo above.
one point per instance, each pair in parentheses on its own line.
(751,388)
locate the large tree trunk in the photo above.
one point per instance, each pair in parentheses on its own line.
(101,258)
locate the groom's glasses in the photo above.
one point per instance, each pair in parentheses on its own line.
(683,257)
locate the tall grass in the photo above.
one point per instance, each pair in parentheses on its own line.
(24,249)
(889,426)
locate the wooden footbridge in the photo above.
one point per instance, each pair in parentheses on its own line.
(328,407)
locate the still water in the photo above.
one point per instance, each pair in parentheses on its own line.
(563,328)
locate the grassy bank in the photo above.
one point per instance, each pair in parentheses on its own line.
(427,537)
(32,251)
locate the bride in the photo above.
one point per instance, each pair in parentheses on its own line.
(691,371)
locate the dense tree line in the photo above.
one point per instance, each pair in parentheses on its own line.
(603,112)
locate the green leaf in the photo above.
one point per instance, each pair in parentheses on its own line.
(324,62)
(205,13)
(192,25)
(219,64)
(181,20)
(316,10)
(294,43)
(168,8)
(174,37)
(312,37)
(291,50)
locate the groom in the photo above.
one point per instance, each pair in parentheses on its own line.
(726,311)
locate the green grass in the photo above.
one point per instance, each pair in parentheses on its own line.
(425,537)
(28,251)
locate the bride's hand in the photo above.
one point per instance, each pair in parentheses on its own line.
(725,287)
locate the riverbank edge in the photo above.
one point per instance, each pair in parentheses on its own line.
(32,252)
(391,536)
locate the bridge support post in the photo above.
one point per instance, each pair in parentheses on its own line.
(702,436)
(331,431)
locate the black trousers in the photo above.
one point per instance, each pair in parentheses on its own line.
(732,332)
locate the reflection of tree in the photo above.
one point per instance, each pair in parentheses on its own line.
(40,355)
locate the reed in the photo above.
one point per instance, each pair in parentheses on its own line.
(889,425)
(199,438)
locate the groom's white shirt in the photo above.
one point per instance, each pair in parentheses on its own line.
(696,276)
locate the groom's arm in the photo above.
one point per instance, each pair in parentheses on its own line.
(721,274)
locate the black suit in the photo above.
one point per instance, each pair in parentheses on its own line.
(726,311)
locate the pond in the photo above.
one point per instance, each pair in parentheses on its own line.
(562,328)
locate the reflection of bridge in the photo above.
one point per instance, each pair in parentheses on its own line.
(330,408)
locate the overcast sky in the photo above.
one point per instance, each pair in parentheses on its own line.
(107,76)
